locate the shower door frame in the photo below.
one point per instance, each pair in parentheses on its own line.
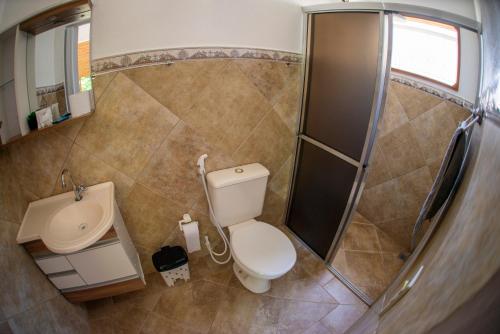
(378,101)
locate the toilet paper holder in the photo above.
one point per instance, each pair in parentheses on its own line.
(186,219)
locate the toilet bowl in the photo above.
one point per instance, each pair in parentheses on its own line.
(260,251)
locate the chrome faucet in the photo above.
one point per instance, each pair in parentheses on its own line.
(78,190)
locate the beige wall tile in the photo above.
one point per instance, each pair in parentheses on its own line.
(39,160)
(12,201)
(149,217)
(401,151)
(177,86)
(23,285)
(394,114)
(380,202)
(271,143)
(414,101)
(287,106)
(100,83)
(228,109)
(271,78)
(434,128)
(274,208)
(279,183)
(85,169)
(172,171)
(127,127)
(88,170)
(378,171)
(71,131)
(412,190)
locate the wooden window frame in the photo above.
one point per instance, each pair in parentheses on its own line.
(455,86)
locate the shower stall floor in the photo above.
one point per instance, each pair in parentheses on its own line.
(368,257)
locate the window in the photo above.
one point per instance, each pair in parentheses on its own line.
(426,49)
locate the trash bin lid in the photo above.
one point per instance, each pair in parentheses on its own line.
(168,258)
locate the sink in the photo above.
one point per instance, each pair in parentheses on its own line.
(66,225)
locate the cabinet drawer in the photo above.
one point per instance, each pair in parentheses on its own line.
(54,264)
(66,281)
(102,264)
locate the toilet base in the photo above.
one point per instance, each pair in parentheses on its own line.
(254,284)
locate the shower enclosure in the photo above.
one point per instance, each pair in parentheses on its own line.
(344,180)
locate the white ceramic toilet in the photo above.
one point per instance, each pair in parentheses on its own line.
(261,252)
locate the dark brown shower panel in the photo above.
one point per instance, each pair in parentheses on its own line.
(342,75)
(344,56)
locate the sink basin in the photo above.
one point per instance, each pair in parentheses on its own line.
(66,225)
(74,222)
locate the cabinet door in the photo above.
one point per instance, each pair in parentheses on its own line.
(53,264)
(102,264)
(66,281)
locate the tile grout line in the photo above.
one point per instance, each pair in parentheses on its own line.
(250,134)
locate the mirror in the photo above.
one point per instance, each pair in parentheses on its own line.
(58,73)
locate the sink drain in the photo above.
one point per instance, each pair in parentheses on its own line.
(82,227)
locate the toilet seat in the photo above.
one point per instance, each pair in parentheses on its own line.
(262,249)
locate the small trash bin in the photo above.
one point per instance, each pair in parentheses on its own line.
(172,263)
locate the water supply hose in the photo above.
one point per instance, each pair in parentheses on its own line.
(227,244)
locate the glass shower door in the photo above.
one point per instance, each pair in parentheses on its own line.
(344,85)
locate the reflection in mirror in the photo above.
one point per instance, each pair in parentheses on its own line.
(424,106)
(58,73)
(46,54)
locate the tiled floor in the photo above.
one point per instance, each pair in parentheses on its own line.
(309,299)
(368,258)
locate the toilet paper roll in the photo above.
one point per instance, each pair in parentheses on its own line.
(192,236)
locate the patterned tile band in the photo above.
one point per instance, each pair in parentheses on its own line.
(137,59)
(432,90)
(154,57)
(49,89)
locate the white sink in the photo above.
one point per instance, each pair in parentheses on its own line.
(67,226)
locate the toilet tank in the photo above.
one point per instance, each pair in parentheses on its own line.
(237,193)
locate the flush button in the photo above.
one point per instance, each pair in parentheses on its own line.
(239,170)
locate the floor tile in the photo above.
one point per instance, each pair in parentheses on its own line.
(342,318)
(296,317)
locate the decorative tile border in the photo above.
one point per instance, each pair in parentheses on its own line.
(154,57)
(431,90)
(49,89)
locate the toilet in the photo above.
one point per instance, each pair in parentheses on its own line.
(260,251)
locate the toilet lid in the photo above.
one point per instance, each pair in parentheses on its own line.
(263,249)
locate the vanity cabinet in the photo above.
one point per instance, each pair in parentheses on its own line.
(109,267)
(83,263)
